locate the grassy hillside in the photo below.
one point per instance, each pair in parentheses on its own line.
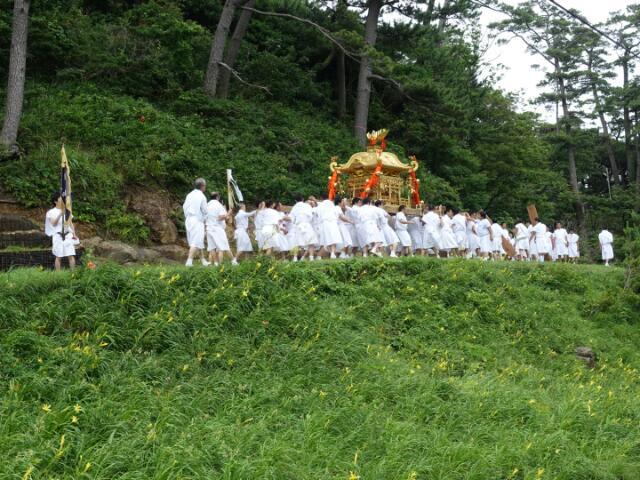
(408,369)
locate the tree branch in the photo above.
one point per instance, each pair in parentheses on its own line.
(321,29)
(241,80)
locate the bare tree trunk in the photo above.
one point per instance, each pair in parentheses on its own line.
(341,80)
(627,117)
(234,48)
(217,47)
(364,80)
(607,138)
(573,173)
(443,16)
(17,73)
(429,13)
(637,142)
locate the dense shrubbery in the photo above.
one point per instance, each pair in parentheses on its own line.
(380,368)
(118,81)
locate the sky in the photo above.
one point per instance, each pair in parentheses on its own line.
(518,76)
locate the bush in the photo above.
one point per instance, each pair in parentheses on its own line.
(127,226)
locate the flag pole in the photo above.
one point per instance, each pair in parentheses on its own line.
(63,157)
(229,194)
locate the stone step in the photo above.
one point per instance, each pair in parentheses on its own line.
(16,223)
(34,258)
(24,238)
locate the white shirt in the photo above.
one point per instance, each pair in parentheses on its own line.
(382,217)
(270,217)
(401,217)
(195,205)
(368,214)
(496,229)
(458,223)
(483,226)
(573,238)
(561,235)
(521,231)
(242,219)
(539,231)
(326,211)
(301,212)
(605,237)
(214,210)
(431,221)
(49,229)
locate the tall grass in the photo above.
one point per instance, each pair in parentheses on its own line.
(408,369)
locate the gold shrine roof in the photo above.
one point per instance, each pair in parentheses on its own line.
(367,161)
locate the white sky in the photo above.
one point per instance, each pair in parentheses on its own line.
(518,75)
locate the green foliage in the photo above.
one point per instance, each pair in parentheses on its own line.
(127,226)
(415,368)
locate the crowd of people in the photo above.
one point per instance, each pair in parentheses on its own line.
(339,228)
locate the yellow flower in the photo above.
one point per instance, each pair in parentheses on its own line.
(103,344)
(539,473)
(412,476)
(77,408)
(87,467)
(353,476)
(74,419)
(162,275)
(27,474)
(46,408)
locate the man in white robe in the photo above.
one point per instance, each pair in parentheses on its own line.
(485,235)
(402,230)
(53,227)
(241,235)
(330,236)
(372,237)
(561,242)
(496,233)
(305,236)
(522,241)
(459,227)
(391,240)
(217,241)
(431,237)
(606,245)
(574,249)
(195,211)
(539,239)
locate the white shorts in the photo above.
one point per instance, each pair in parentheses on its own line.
(243,242)
(195,232)
(217,239)
(404,237)
(486,245)
(64,248)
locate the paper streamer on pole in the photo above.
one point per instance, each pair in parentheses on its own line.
(533,212)
(234,194)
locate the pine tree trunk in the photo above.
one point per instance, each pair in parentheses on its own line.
(443,16)
(234,48)
(573,173)
(627,117)
(341,80)
(364,76)
(607,138)
(217,47)
(637,142)
(428,16)
(17,73)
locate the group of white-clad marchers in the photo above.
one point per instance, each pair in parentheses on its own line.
(341,229)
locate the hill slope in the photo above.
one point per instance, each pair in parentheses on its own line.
(375,370)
